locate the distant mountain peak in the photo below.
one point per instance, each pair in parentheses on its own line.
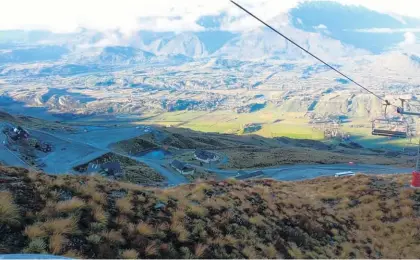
(124,54)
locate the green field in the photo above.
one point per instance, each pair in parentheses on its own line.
(363,136)
(274,123)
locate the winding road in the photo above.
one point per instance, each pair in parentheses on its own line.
(302,172)
(171,177)
(283,173)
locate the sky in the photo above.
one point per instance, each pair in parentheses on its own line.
(162,15)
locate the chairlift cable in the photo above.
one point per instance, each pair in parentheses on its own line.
(411,104)
(308,52)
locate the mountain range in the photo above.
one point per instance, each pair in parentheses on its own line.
(205,70)
(328,29)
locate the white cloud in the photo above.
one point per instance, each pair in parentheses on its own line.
(409,39)
(320,27)
(69,15)
(130,15)
(400,7)
(387,30)
(267,10)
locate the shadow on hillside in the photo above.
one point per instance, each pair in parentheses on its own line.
(191,139)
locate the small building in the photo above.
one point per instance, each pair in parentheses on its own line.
(205,156)
(112,168)
(182,167)
(19,134)
(93,168)
(109,168)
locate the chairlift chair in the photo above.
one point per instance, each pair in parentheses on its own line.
(390,127)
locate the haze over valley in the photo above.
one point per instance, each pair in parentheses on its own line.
(215,69)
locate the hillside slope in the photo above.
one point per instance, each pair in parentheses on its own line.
(360,216)
(253,151)
(28,121)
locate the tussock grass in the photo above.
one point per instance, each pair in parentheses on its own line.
(151,249)
(257,220)
(36,245)
(61,226)
(35,231)
(57,241)
(100,198)
(70,205)
(73,254)
(100,215)
(145,229)
(356,217)
(129,254)
(270,251)
(9,212)
(124,205)
(197,210)
(114,236)
(200,249)
(94,239)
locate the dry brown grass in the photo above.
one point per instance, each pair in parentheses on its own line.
(94,239)
(257,220)
(9,212)
(73,254)
(61,226)
(35,231)
(179,214)
(100,198)
(356,217)
(137,144)
(36,245)
(270,251)
(181,232)
(200,249)
(114,236)
(70,205)
(145,229)
(151,249)
(124,205)
(134,171)
(197,210)
(57,241)
(250,253)
(100,215)
(129,254)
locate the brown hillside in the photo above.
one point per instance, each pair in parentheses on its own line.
(35,123)
(251,151)
(360,216)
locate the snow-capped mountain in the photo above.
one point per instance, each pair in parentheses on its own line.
(328,29)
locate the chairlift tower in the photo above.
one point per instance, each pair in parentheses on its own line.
(415,181)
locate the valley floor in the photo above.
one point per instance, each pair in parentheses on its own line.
(274,123)
(136,147)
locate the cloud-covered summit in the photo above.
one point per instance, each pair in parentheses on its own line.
(129,16)
(197,29)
